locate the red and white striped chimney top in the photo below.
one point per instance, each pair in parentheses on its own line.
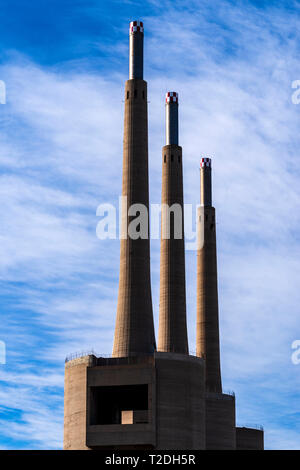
(171,97)
(136,26)
(205,162)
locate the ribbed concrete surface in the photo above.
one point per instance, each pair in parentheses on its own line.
(172,335)
(249,439)
(176,403)
(220,422)
(207,340)
(75,404)
(180,402)
(134,331)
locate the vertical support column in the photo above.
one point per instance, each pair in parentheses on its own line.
(207,342)
(172,335)
(134,330)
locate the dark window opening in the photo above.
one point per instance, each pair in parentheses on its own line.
(172,158)
(165,158)
(178,158)
(127,94)
(135,93)
(143,94)
(108,404)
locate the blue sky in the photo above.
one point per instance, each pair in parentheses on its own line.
(64,64)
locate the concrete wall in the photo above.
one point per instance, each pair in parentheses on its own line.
(172,333)
(176,402)
(249,439)
(114,374)
(134,331)
(180,398)
(75,403)
(220,421)
(207,341)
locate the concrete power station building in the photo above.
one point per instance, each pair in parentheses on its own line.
(147,396)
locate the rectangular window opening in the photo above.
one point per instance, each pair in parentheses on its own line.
(124,404)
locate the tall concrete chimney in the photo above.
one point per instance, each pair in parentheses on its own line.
(134,330)
(172,335)
(207,342)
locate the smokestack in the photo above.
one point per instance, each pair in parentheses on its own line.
(172,335)
(136,50)
(205,182)
(171,118)
(134,330)
(207,342)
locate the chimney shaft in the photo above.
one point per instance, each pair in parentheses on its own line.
(172,335)
(171,118)
(207,341)
(136,50)
(205,182)
(134,330)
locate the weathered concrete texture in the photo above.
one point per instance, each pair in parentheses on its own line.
(134,331)
(249,439)
(172,335)
(174,410)
(120,375)
(220,421)
(207,339)
(180,402)
(75,404)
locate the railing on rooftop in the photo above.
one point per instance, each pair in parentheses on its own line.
(229,392)
(91,352)
(259,427)
(78,354)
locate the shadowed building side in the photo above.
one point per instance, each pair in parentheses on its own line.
(207,342)
(249,439)
(134,330)
(172,335)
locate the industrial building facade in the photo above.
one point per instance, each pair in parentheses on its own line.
(149,396)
